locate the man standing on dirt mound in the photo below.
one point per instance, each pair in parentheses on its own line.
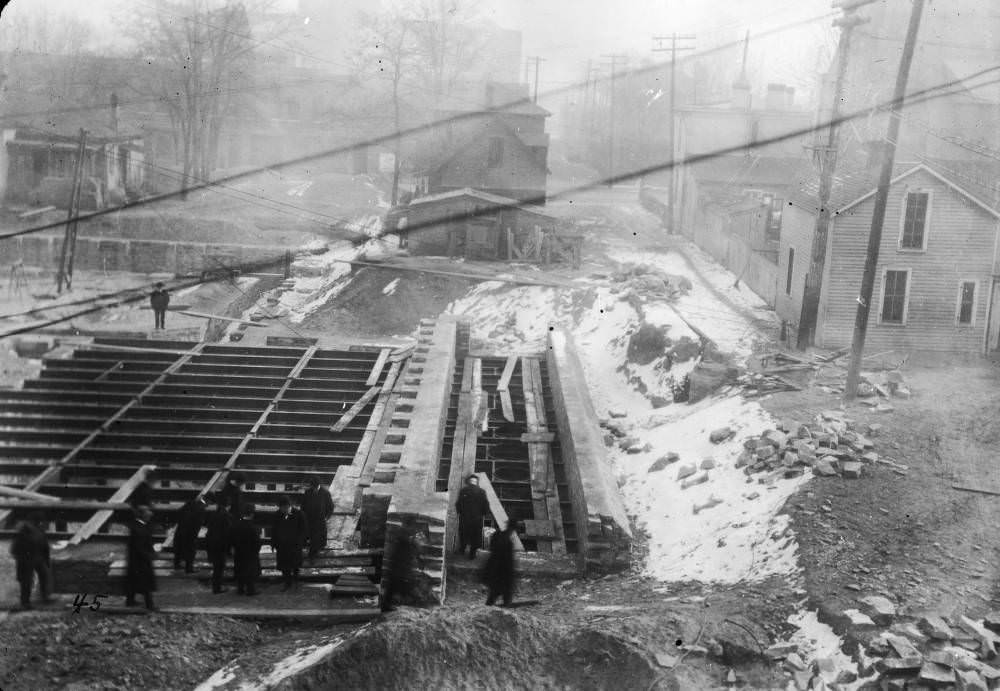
(472,506)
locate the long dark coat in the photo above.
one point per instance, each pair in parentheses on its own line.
(189,522)
(30,549)
(498,573)
(288,537)
(159,300)
(142,495)
(232,496)
(317,505)
(472,506)
(219,532)
(246,550)
(139,570)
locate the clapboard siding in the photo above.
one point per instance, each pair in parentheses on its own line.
(797,229)
(961,239)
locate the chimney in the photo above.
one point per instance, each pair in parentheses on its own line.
(775,99)
(114,113)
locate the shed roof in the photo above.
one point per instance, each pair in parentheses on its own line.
(494,200)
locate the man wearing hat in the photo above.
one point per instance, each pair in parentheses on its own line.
(159,299)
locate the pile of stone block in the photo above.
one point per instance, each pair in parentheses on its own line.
(830,445)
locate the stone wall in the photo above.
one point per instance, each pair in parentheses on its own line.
(140,256)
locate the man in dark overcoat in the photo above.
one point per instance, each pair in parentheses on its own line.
(189,522)
(472,506)
(232,495)
(317,504)
(499,571)
(288,538)
(246,552)
(30,549)
(139,574)
(159,299)
(218,540)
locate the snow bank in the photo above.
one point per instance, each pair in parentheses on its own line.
(741,538)
(817,641)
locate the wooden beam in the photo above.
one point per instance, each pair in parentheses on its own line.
(24,494)
(101,517)
(54,469)
(63,505)
(377,367)
(496,508)
(540,437)
(508,372)
(507,405)
(203,315)
(358,406)
(544,490)
(401,353)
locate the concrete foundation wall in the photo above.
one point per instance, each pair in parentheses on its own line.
(429,372)
(602,524)
(140,256)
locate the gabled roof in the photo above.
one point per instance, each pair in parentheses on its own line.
(492,200)
(442,156)
(971,180)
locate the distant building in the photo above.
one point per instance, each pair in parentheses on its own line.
(41,160)
(936,283)
(500,147)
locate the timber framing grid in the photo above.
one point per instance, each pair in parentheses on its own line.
(87,431)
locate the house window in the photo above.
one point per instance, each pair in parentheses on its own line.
(774,205)
(791,265)
(966,302)
(915,221)
(894,285)
(495,158)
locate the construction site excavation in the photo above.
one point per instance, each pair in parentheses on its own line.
(499,345)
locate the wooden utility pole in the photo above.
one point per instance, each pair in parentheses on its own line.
(614,58)
(673,38)
(881,198)
(828,166)
(65,274)
(537,60)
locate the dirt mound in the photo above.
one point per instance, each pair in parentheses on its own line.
(481,648)
(49,650)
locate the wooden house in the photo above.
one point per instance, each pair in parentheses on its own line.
(500,147)
(936,283)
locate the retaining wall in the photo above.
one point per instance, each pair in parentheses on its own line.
(601,522)
(140,256)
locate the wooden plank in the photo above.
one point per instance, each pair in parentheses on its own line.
(508,372)
(496,508)
(54,469)
(542,529)
(203,315)
(507,405)
(24,494)
(467,375)
(346,418)
(63,505)
(400,354)
(541,437)
(477,374)
(382,431)
(377,367)
(335,614)
(390,378)
(291,341)
(101,517)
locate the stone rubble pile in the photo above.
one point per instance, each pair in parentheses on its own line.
(831,445)
(895,653)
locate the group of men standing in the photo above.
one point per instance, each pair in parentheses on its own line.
(230,530)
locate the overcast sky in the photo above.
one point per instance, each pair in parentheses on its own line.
(568,32)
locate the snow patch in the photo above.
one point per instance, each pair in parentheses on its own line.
(817,640)
(390,288)
(742,538)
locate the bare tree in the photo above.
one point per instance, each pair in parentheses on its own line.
(198,57)
(389,53)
